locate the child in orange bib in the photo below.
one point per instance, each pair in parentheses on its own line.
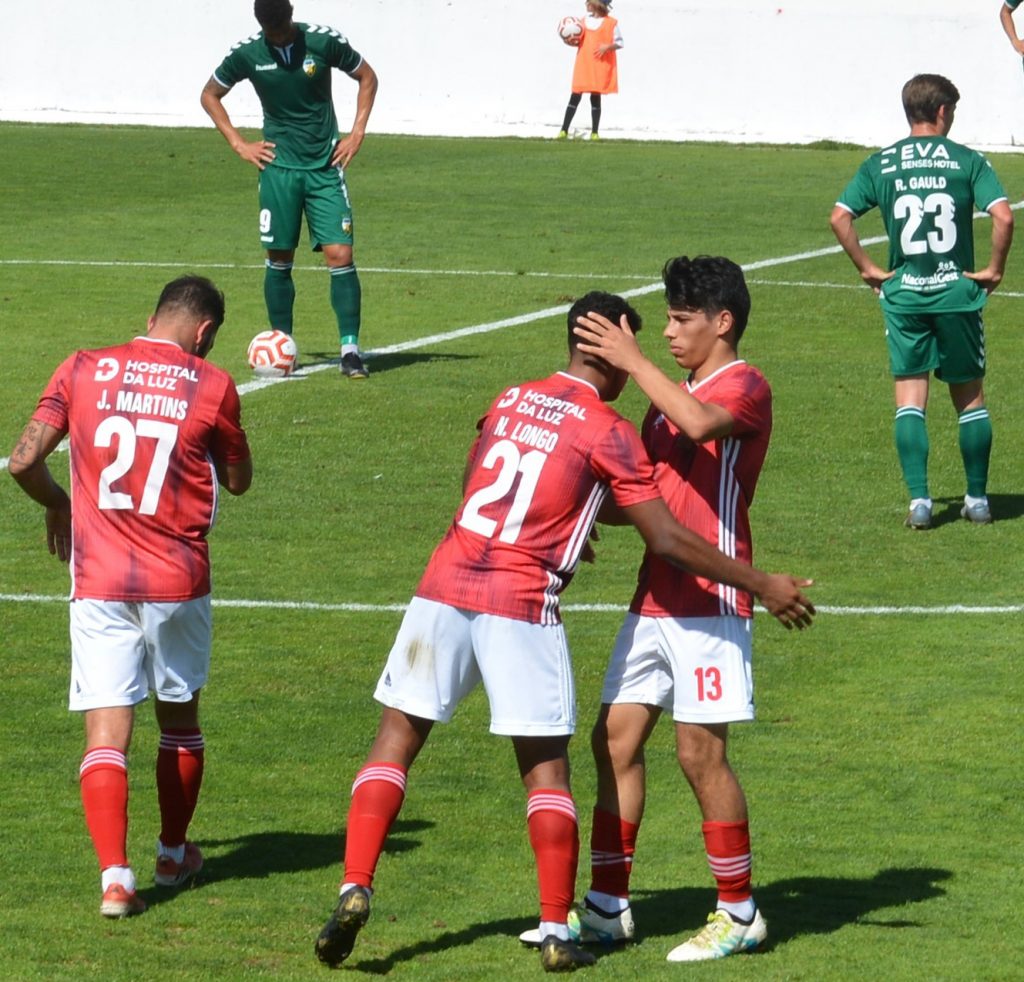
(596,70)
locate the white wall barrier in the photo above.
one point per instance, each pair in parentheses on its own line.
(735,70)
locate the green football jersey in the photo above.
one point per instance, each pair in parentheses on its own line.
(294,88)
(926,188)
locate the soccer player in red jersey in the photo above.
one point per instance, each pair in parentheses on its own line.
(685,645)
(548,454)
(153,429)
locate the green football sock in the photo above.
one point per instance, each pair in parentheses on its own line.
(279,294)
(975,447)
(346,301)
(912,447)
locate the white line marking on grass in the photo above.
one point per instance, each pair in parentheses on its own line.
(803,284)
(529,318)
(876,611)
(264,383)
(386,270)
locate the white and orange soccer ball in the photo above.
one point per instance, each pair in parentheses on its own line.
(570,30)
(273,354)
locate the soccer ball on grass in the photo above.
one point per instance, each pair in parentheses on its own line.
(570,30)
(273,354)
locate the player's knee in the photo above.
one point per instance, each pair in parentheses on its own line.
(618,751)
(338,255)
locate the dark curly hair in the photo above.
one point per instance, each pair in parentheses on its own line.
(608,305)
(195,295)
(708,283)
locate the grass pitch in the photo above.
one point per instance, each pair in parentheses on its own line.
(883,770)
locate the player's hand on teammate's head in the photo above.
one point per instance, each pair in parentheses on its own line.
(615,343)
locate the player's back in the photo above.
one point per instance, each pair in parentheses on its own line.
(547,453)
(927,188)
(142,419)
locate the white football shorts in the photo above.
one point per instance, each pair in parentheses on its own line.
(441,652)
(122,650)
(697,668)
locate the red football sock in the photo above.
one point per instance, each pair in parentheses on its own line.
(179,775)
(377,795)
(555,837)
(728,849)
(612,844)
(104,780)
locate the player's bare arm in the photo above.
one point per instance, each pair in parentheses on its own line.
(1006,19)
(781,595)
(28,460)
(259,153)
(870,272)
(1002,237)
(28,468)
(611,514)
(617,345)
(588,554)
(348,146)
(235,478)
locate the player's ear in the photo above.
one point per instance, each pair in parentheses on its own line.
(206,334)
(725,322)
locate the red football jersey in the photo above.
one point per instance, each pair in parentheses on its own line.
(708,487)
(146,420)
(546,456)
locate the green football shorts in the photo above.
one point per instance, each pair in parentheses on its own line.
(287,193)
(952,344)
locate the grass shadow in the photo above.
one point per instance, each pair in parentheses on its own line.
(264,854)
(1004,507)
(384,362)
(506,927)
(798,906)
(794,907)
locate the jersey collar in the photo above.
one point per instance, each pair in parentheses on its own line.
(581,381)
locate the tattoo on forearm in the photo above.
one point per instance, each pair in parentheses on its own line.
(27,447)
